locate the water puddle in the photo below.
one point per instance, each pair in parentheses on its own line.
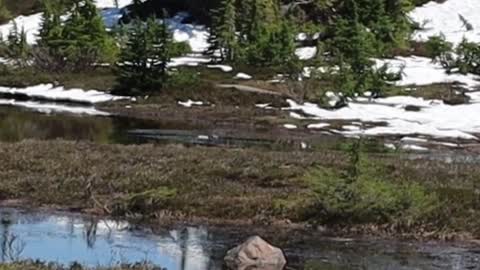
(17,125)
(66,238)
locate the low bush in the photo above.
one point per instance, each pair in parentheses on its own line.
(362,193)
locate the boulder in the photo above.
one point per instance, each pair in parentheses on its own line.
(255,253)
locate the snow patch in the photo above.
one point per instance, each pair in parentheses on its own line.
(191,61)
(111,3)
(318,126)
(242,76)
(223,68)
(306,53)
(290,126)
(413,147)
(436,119)
(422,71)
(189,103)
(50,92)
(53,107)
(195,35)
(444,18)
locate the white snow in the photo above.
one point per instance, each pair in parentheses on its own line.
(242,76)
(306,53)
(413,147)
(223,68)
(318,126)
(422,71)
(189,103)
(111,3)
(290,126)
(351,127)
(191,61)
(443,18)
(195,35)
(52,107)
(50,92)
(390,146)
(436,119)
(31,25)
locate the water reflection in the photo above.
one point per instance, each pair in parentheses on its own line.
(17,125)
(66,239)
(71,238)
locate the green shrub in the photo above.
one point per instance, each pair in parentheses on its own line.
(180,48)
(437,47)
(183,78)
(468,57)
(364,194)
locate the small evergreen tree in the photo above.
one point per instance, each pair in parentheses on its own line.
(223,36)
(4,13)
(142,66)
(17,49)
(85,38)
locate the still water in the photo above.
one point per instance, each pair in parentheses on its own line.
(17,124)
(66,238)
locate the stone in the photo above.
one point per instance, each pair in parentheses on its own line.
(255,254)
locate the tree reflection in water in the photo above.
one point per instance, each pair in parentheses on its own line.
(68,238)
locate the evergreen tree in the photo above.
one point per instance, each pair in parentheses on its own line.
(85,37)
(4,13)
(17,49)
(51,27)
(143,60)
(244,18)
(223,37)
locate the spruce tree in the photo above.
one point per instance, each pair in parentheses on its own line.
(4,13)
(142,66)
(17,49)
(51,28)
(86,39)
(223,37)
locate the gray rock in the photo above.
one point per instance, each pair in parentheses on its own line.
(255,254)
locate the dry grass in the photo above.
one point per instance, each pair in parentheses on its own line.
(253,185)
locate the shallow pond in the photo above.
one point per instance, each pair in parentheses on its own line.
(18,124)
(65,238)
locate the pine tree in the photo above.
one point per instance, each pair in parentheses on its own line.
(4,13)
(51,27)
(223,37)
(16,47)
(143,60)
(244,18)
(86,39)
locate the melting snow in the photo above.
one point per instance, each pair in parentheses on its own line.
(306,53)
(413,147)
(48,91)
(242,76)
(422,71)
(31,25)
(112,4)
(223,68)
(189,103)
(290,126)
(444,18)
(52,107)
(436,119)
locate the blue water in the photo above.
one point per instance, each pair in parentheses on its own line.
(69,238)
(66,238)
